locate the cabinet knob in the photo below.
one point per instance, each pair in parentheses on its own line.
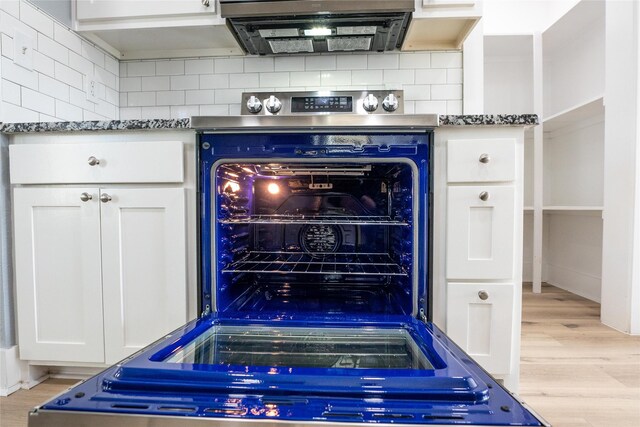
(484,158)
(105,198)
(85,197)
(484,196)
(93,161)
(206,3)
(483,295)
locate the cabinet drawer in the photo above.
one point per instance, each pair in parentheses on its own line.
(480,232)
(480,320)
(121,162)
(481,160)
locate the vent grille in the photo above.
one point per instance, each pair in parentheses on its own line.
(291,46)
(348,43)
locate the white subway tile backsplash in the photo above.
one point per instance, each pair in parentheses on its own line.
(446,60)
(81,64)
(214,110)
(224,96)
(206,96)
(417,92)
(289,63)
(415,60)
(430,107)
(228,65)
(130,113)
(185,82)
(305,78)
(131,84)
(67,38)
(43,64)
(6,45)
(388,61)
(335,78)
(66,111)
(106,78)
(78,98)
(214,81)
(454,76)
(431,76)
(402,77)
(409,107)
(16,114)
(10,92)
(367,77)
(11,6)
(54,88)
(10,24)
(67,75)
(144,68)
(36,101)
(141,99)
(184,111)
(53,49)
(454,107)
(446,92)
(106,109)
(36,19)
(111,65)
(155,113)
(123,98)
(93,54)
(351,62)
(273,79)
(19,75)
(244,80)
(198,66)
(234,109)
(320,62)
(155,83)
(173,97)
(90,115)
(112,96)
(258,64)
(170,68)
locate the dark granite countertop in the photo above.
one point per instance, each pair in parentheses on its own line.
(155,124)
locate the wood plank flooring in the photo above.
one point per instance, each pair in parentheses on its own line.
(575,371)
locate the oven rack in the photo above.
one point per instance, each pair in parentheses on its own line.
(368,264)
(315,219)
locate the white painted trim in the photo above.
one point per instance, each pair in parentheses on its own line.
(473,71)
(538,164)
(10,371)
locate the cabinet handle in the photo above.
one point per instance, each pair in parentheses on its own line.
(93,161)
(484,196)
(85,197)
(483,295)
(105,198)
(205,3)
(484,158)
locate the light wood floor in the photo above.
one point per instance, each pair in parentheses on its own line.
(575,371)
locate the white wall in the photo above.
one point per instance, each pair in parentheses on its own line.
(522,16)
(54,90)
(432,81)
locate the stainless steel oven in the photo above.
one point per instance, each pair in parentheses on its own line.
(315,284)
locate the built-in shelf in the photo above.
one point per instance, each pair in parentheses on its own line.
(577,19)
(528,208)
(572,208)
(583,111)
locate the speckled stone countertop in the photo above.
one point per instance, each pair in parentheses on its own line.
(445,120)
(95,125)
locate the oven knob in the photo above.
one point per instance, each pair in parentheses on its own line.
(370,103)
(254,105)
(273,104)
(390,103)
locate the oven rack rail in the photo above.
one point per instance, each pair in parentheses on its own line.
(364,264)
(316,219)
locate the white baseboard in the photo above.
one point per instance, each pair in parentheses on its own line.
(10,371)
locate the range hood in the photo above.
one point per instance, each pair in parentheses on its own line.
(271,27)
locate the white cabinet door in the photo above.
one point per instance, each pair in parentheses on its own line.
(58,279)
(480,232)
(110,9)
(480,320)
(143,266)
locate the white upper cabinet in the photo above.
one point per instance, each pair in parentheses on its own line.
(441,24)
(58,274)
(149,29)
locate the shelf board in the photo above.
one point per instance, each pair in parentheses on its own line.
(573,210)
(528,208)
(592,108)
(571,24)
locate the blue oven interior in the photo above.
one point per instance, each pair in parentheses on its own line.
(314,278)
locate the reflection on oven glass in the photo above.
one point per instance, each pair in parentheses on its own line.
(304,348)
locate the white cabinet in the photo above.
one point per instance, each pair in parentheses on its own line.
(143,266)
(480,232)
(480,320)
(479,160)
(110,9)
(58,275)
(101,271)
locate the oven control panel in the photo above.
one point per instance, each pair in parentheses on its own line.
(322,102)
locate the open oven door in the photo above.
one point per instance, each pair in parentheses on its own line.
(228,372)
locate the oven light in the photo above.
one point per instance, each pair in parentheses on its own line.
(231,186)
(318,32)
(273,188)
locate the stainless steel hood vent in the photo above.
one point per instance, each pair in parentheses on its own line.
(271,27)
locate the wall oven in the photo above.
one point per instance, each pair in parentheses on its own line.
(314,230)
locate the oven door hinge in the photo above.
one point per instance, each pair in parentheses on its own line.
(423,316)
(207,311)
